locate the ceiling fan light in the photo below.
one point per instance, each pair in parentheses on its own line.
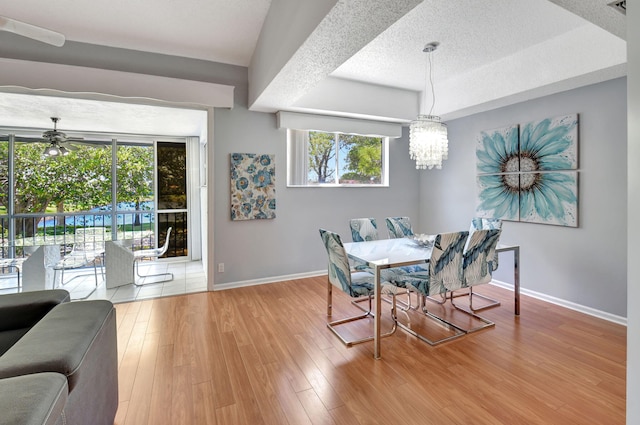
(52,150)
(64,151)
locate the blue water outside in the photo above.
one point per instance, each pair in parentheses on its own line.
(125,215)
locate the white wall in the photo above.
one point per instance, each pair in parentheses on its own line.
(290,244)
(584,265)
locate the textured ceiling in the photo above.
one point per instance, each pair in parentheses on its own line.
(217,30)
(356,58)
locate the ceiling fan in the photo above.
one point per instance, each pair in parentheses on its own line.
(31,31)
(59,143)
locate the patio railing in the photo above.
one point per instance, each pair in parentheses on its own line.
(32,230)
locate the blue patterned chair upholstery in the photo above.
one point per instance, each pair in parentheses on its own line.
(477,268)
(444,275)
(363,229)
(399,227)
(481,223)
(355,284)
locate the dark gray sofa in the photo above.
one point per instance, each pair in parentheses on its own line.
(62,366)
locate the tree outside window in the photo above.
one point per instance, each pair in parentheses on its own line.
(344,159)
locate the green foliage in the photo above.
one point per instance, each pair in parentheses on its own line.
(363,162)
(364,158)
(134,173)
(321,154)
(75,182)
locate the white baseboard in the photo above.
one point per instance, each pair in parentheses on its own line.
(564,303)
(253,282)
(553,300)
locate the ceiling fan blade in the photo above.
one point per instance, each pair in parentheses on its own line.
(31,31)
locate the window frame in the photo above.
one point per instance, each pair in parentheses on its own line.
(298,160)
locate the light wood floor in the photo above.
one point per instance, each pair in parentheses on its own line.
(263,355)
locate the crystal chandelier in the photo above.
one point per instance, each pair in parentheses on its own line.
(428,143)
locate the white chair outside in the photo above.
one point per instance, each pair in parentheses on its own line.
(87,250)
(13,263)
(151,254)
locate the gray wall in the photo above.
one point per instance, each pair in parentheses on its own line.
(633,329)
(290,244)
(584,265)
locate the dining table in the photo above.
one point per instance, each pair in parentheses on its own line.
(388,253)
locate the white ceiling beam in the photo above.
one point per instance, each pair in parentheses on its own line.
(292,56)
(360,100)
(593,11)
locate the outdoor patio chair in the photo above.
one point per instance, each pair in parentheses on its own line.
(151,254)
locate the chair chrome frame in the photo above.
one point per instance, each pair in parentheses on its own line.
(458,331)
(487,323)
(368,313)
(448,259)
(337,256)
(13,263)
(482,250)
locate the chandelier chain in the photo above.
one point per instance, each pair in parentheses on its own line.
(433,92)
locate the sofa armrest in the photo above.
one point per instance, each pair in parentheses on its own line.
(25,309)
(33,399)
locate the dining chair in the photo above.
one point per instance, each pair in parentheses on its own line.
(363,229)
(444,275)
(151,254)
(476,268)
(482,223)
(356,284)
(399,227)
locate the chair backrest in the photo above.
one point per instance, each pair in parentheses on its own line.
(90,239)
(164,248)
(399,227)
(481,223)
(363,229)
(338,268)
(445,266)
(477,267)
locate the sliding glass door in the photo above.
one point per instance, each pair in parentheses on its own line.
(134,190)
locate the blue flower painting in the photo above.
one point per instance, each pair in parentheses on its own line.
(253,192)
(550,144)
(497,151)
(550,198)
(519,172)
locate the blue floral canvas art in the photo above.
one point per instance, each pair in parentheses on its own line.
(550,198)
(253,189)
(549,144)
(519,174)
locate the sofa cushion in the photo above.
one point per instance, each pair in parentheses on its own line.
(58,342)
(19,312)
(37,399)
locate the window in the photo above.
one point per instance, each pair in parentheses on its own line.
(133,189)
(317,158)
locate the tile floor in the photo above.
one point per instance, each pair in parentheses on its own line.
(188,276)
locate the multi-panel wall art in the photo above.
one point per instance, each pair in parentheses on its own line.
(525,172)
(253,188)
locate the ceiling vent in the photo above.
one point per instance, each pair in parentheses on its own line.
(620,6)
